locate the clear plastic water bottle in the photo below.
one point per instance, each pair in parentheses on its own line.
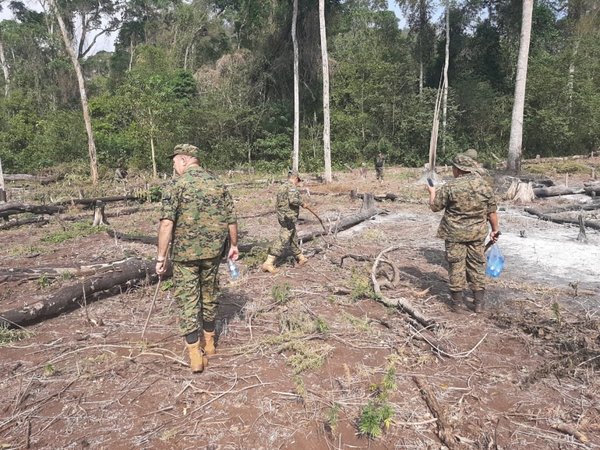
(234,270)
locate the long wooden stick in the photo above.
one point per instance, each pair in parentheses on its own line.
(152,305)
(320,221)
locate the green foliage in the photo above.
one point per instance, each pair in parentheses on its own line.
(72,231)
(374,418)
(9,335)
(332,416)
(281,293)
(360,286)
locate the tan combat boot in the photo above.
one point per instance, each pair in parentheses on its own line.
(301,259)
(269,265)
(209,343)
(198,361)
(478,301)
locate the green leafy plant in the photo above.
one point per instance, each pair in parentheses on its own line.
(360,286)
(281,293)
(375,418)
(332,416)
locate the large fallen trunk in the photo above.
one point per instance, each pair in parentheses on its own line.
(560,220)
(555,191)
(93,201)
(71,297)
(18,223)
(27,177)
(592,189)
(8,209)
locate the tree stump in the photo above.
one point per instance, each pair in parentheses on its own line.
(582,236)
(99,215)
(520,192)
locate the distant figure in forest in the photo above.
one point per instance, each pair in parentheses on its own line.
(379,164)
(197,217)
(288,205)
(469,204)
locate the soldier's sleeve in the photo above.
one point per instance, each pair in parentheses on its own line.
(492,205)
(228,209)
(441,199)
(169,202)
(294,197)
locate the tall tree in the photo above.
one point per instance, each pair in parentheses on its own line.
(446,81)
(296,143)
(82,91)
(516,127)
(326,117)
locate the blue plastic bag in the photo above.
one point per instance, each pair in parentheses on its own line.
(494,262)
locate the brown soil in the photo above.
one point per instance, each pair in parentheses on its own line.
(302,353)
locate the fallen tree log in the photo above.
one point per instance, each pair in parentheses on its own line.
(443,423)
(545,216)
(93,201)
(27,177)
(555,191)
(8,209)
(398,302)
(377,197)
(17,274)
(539,159)
(71,297)
(592,189)
(18,223)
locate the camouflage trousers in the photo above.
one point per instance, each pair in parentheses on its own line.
(287,235)
(466,263)
(379,172)
(196,287)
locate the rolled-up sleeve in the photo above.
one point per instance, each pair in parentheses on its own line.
(441,199)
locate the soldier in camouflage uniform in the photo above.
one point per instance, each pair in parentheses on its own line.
(289,202)
(379,163)
(469,205)
(197,217)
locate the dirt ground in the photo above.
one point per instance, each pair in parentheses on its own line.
(309,358)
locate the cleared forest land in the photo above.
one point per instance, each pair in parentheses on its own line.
(310,358)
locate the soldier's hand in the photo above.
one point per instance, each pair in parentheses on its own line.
(161,267)
(494,236)
(234,253)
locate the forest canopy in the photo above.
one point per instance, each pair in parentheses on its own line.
(219,74)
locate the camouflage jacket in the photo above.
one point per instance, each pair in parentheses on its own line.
(379,162)
(289,201)
(201,208)
(467,201)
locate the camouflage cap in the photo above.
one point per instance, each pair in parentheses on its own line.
(186,149)
(472,153)
(464,163)
(294,173)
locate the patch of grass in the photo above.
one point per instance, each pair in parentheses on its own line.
(558,167)
(356,322)
(281,293)
(73,231)
(9,335)
(49,370)
(255,257)
(360,286)
(166,285)
(306,355)
(27,250)
(43,281)
(321,325)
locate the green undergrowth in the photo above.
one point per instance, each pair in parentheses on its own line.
(9,335)
(72,231)
(377,415)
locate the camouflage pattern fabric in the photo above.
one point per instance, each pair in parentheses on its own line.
(201,208)
(287,236)
(467,201)
(196,289)
(466,263)
(288,204)
(379,162)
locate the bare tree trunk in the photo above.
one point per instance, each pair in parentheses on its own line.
(296,148)
(131,53)
(154,171)
(515,146)
(2,191)
(326,119)
(82,92)
(571,82)
(4,70)
(445,85)
(421,78)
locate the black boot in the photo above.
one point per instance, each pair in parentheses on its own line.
(478,301)
(457,301)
